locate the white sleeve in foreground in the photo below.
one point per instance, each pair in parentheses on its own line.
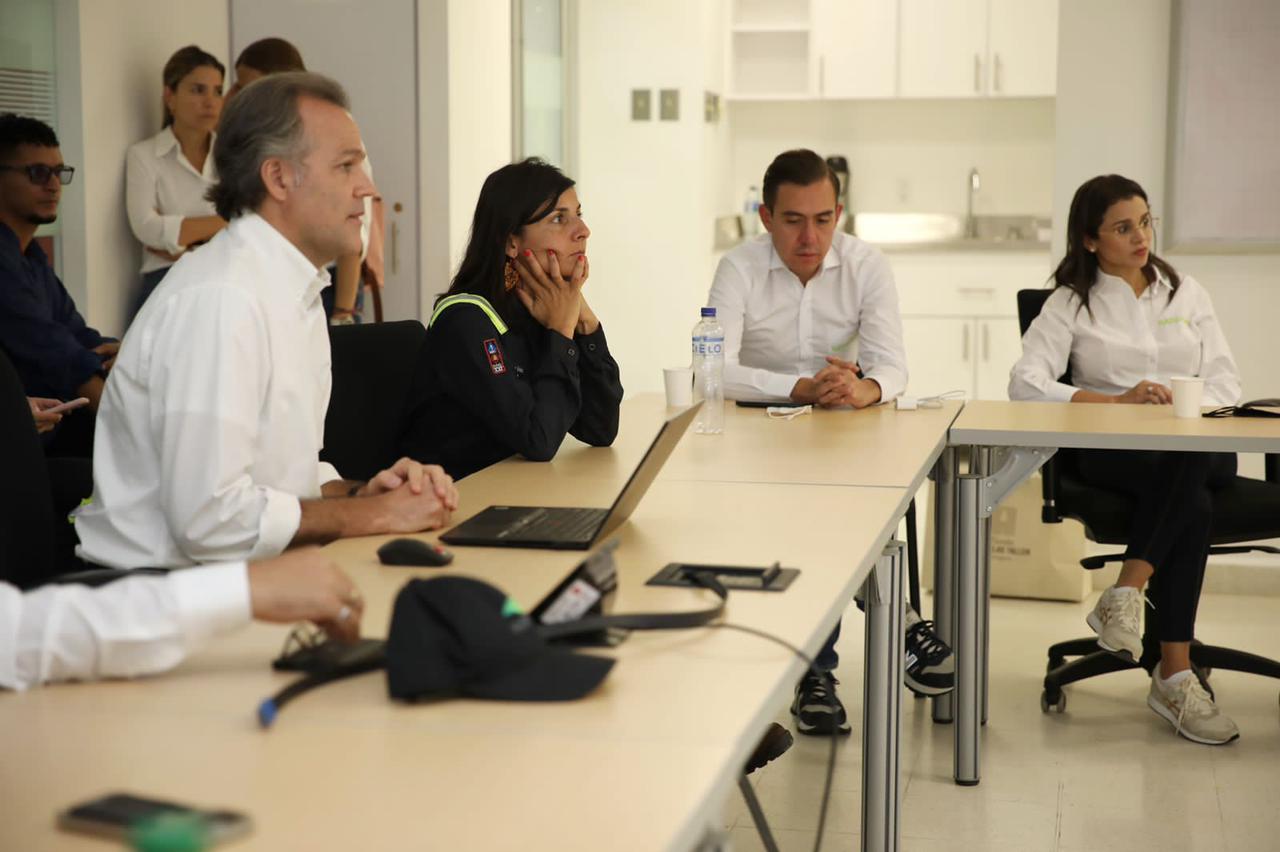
(135,626)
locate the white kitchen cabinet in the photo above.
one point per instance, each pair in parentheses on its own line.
(970,354)
(1023,48)
(997,346)
(855,44)
(978,48)
(939,355)
(942,48)
(960,317)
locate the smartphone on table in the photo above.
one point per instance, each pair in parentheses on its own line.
(115,816)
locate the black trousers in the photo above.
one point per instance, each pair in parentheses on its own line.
(1172,516)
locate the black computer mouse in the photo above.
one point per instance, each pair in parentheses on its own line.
(413,551)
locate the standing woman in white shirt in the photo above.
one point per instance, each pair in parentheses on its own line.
(167,175)
(1126,322)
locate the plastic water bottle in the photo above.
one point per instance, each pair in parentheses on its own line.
(751,212)
(708,373)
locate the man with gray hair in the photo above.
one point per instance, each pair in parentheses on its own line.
(211,425)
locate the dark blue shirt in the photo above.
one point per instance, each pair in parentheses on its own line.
(40,329)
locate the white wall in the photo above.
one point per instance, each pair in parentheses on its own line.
(113,54)
(650,190)
(1113,95)
(464,124)
(910,155)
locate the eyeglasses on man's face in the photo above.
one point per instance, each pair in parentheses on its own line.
(1146,224)
(39,173)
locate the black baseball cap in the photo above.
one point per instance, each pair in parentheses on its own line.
(456,636)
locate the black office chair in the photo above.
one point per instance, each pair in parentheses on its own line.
(1247,510)
(373,369)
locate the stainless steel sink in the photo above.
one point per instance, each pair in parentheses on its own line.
(944,229)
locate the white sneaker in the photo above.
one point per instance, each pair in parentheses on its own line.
(1117,619)
(1188,707)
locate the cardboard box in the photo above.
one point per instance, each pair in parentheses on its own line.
(1029,558)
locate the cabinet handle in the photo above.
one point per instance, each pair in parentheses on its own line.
(965,355)
(986,343)
(977,74)
(395,248)
(997,72)
(975,291)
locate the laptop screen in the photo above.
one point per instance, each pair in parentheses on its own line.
(644,474)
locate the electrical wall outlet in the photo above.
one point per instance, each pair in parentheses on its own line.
(669,104)
(641,105)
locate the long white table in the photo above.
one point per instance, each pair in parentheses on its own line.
(1010,441)
(642,763)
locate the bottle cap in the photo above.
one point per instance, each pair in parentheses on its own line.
(708,312)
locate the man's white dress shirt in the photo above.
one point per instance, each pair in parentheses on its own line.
(161,189)
(212,419)
(1125,340)
(777,330)
(135,626)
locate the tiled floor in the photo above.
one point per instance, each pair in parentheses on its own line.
(1108,774)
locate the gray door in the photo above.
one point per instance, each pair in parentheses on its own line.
(371,49)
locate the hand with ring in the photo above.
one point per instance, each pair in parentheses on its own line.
(306,585)
(1147,393)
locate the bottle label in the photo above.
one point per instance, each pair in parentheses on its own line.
(704,346)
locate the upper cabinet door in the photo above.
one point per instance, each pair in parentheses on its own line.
(856,44)
(942,49)
(1024,48)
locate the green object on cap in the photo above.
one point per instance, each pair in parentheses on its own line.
(174,832)
(510,608)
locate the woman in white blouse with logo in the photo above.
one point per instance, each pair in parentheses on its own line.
(168,174)
(1126,322)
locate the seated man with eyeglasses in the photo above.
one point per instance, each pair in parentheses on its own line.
(55,352)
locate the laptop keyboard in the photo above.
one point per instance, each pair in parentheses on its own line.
(556,525)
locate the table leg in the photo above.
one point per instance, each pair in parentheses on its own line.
(882,702)
(982,461)
(944,564)
(968,634)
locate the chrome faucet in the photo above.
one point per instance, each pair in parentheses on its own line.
(970,223)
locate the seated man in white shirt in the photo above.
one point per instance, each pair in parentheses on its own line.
(147,624)
(208,440)
(793,303)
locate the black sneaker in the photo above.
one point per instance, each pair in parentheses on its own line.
(817,708)
(930,668)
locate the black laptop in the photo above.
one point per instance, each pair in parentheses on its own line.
(560,528)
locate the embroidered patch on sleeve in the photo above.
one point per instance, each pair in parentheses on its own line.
(493,354)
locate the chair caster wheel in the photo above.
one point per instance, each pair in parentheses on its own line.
(1057,703)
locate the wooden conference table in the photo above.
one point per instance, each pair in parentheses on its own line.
(646,762)
(1010,441)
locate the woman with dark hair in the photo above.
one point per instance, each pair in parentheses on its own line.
(168,174)
(1126,322)
(515,358)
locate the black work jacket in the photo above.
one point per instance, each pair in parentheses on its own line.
(486,391)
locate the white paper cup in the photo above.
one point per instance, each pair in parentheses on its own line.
(1188,392)
(679,382)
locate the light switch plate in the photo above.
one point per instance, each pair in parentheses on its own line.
(710,107)
(669,104)
(641,105)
